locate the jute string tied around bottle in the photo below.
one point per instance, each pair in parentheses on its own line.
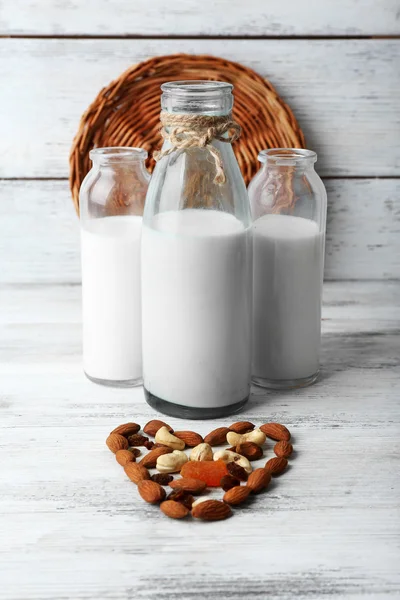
(198,131)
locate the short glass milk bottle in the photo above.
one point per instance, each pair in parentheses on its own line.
(111,202)
(196,259)
(288,203)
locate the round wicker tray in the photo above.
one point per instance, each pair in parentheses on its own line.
(126,112)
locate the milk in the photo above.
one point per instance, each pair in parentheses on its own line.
(288,266)
(111,299)
(196,298)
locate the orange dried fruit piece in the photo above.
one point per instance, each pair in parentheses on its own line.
(211,472)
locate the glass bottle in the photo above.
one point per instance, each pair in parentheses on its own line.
(196,268)
(111,201)
(288,203)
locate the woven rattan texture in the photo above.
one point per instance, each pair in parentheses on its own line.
(126,112)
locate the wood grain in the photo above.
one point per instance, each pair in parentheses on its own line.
(40,236)
(363,229)
(74,527)
(343,92)
(39,242)
(206,18)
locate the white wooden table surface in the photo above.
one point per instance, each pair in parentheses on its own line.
(72,527)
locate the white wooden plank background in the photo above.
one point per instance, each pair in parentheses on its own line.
(343,92)
(73,527)
(40,231)
(190,17)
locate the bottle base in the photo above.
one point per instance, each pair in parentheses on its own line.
(285,384)
(189,412)
(116,383)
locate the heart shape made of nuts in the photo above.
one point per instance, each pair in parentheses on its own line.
(230,468)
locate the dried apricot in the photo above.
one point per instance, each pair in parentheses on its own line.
(209,471)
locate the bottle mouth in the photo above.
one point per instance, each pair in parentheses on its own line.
(196,87)
(287,156)
(117,153)
(197,97)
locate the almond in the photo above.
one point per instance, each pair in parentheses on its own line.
(276,466)
(150,460)
(236,495)
(151,491)
(283,448)
(189,484)
(136,472)
(217,436)
(250,450)
(124,457)
(116,442)
(199,500)
(258,480)
(153,426)
(174,510)
(191,438)
(127,429)
(211,510)
(276,431)
(242,427)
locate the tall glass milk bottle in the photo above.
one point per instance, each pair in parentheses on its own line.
(111,207)
(288,204)
(196,259)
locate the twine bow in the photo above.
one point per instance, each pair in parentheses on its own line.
(198,131)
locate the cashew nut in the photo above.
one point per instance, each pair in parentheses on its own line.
(228,456)
(163,436)
(201,452)
(171,463)
(256,436)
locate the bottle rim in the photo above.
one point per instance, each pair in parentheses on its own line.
(287,156)
(197,96)
(196,87)
(118,153)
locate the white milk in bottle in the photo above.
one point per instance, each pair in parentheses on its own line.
(288,262)
(112,340)
(288,204)
(196,273)
(111,204)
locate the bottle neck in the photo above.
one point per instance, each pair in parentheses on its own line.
(287,160)
(119,158)
(212,98)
